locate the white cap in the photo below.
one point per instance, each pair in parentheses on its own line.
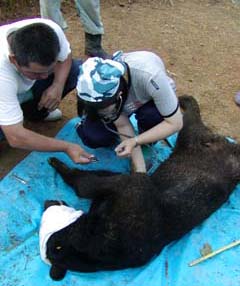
(54,219)
(99,79)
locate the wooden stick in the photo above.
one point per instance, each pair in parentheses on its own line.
(203,258)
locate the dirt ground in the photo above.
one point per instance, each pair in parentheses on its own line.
(197,39)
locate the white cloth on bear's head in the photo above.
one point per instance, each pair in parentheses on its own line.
(54,219)
(99,79)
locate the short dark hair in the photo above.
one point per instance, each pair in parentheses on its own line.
(36,43)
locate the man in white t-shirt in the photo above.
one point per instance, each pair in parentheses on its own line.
(111,90)
(36,72)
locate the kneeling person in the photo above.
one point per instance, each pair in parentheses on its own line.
(109,91)
(37,71)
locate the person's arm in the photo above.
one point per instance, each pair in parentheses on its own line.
(162,130)
(51,97)
(124,126)
(20,137)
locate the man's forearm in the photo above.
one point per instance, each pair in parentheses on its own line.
(20,137)
(29,140)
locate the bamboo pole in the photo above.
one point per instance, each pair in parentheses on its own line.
(210,255)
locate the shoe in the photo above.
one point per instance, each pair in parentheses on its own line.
(93,47)
(54,115)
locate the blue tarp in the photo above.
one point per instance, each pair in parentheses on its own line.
(21,207)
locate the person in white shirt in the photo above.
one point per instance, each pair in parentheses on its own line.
(36,72)
(111,90)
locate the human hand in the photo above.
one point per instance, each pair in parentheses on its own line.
(51,97)
(124,149)
(78,154)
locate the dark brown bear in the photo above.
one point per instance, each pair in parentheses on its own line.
(132,217)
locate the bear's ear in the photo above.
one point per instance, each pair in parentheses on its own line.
(57,273)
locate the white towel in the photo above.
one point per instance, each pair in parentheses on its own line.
(54,219)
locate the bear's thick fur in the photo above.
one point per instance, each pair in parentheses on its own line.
(132,217)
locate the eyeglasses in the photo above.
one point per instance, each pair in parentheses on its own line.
(112,112)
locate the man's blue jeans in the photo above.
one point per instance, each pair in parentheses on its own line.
(1,135)
(30,108)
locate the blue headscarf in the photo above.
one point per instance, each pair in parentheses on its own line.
(99,79)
